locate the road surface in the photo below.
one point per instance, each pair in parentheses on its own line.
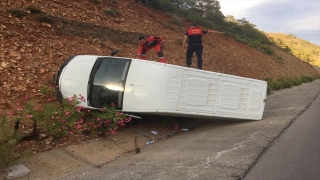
(296,154)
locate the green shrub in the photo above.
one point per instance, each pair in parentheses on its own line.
(311,78)
(114,1)
(238,39)
(34,10)
(45,18)
(316,77)
(276,85)
(306,79)
(279,59)
(177,20)
(285,83)
(269,90)
(268,79)
(44,90)
(166,25)
(8,141)
(267,49)
(17,12)
(112,12)
(296,81)
(251,44)
(116,11)
(64,21)
(163,5)
(95,1)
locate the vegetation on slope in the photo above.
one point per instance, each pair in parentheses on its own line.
(300,48)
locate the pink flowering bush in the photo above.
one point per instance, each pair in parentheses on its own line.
(65,120)
(107,120)
(69,118)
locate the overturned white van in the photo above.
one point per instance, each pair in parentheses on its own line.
(140,86)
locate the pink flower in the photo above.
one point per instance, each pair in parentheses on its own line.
(112,104)
(29,116)
(67,113)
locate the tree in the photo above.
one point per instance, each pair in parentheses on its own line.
(230,18)
(210,10)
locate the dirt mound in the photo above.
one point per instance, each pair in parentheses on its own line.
(34,45)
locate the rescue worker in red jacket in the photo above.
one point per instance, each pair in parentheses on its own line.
(194,35)
(151,42)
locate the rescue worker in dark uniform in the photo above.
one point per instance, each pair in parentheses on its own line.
(194,35)
(151,42)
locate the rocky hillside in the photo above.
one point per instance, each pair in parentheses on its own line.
(37,35)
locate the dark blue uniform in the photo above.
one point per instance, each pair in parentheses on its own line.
(195,45)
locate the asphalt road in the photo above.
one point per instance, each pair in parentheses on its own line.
(217,149)
(296,154)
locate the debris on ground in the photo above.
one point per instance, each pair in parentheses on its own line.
(17,171)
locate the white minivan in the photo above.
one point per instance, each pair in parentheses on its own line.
(147,87)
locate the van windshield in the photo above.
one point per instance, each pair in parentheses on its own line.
(107,82)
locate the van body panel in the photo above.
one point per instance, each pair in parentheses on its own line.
(180,91)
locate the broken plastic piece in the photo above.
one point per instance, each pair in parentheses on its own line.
(185,129)
(17,171)
(153,132)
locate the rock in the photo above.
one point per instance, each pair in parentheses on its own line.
(4,65)
(46,24)
(48,141)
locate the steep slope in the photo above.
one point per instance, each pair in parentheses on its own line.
(34,45)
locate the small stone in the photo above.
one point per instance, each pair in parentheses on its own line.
(4,65)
